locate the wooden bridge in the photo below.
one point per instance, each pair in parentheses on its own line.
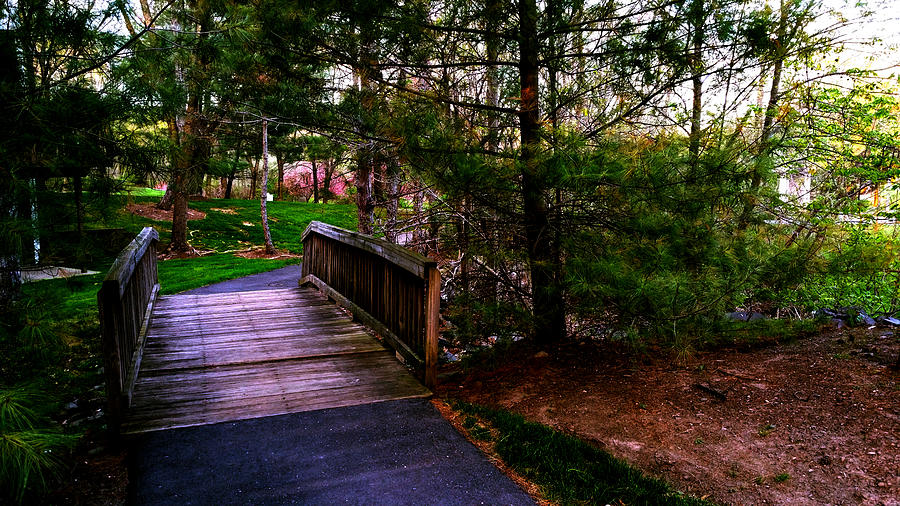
(183,360)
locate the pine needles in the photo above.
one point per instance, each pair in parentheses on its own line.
(30,450)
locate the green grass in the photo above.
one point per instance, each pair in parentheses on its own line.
(137,191)
(234,225)
(568,470)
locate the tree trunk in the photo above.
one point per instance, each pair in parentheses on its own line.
(365,205)
(264,189)
(194,153)
(254,174)
(326,183)
(315,181)
(279,160)
(179,223)
(365,209)
(765,134)
(546,294)
(229,184)
(418,236)
(695,61)
(165,203)
(392,202)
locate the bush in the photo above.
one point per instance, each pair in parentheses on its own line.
(859,269)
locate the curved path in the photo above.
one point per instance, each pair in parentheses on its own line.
(396,452)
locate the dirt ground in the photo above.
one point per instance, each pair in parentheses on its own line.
(150,211)
(816,421)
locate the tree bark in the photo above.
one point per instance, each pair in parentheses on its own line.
(179,216)
(315,181)
(365,208)
(548,307)
(695,61)
(165,203)
(193,154)
(279,160)
(254,175)
(365,163)
(392,202)
(326,183)
(765,134)
(264,189)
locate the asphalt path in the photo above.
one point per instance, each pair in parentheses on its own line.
(285,277)
(396,452)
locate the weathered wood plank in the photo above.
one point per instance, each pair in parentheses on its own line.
(359,313)
(235,357)
(184,398)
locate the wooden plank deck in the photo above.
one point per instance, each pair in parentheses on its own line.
(234,356)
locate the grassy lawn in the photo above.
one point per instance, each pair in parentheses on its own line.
(233,225)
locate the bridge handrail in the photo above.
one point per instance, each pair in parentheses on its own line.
(125,301)
(394,291)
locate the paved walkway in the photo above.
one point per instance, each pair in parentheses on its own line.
(285,277)
(396,452)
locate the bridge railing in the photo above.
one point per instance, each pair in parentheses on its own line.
(392,290)
(125,300)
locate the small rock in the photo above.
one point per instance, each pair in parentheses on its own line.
(838,323)
(882,484)
(868,320)
(72,406)
(891,321)
(541,354)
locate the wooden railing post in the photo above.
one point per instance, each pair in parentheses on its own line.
(125,301)
(112,325)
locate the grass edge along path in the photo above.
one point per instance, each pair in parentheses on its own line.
(555,468)
(178,275)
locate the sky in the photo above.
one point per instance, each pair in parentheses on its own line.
(882,21)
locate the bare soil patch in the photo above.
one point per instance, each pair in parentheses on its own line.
(150,211)
(816,421)
(261,253)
